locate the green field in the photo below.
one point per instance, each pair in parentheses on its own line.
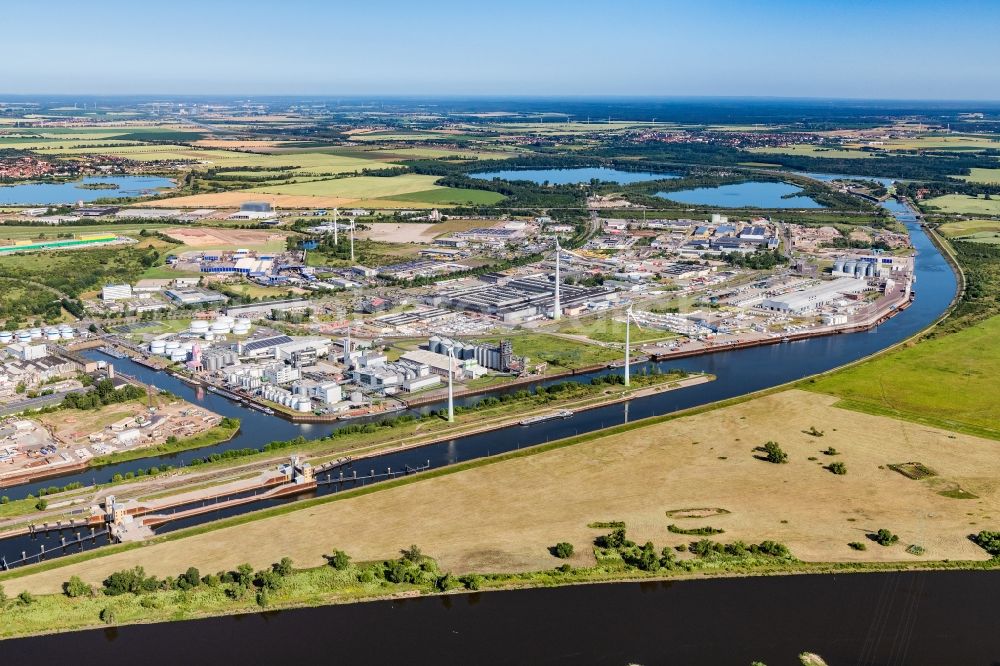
(967,227)
(950,382)
(561,353)
(814,151)
(606,329)
(406,188)
(988,176)
(12,232)
(962,204)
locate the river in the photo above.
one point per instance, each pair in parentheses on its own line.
(916,619)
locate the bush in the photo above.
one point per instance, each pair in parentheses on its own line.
(773,453)
(915,549)
(562,550)
(25,598)
(75,587)
(189,579)
(884,537)
(837,468)
(412,554)
(830,451)
(107,616)
(42,504)
(857,545)
(283,568)
(694,531)
(3,596)
(472,581)
(988,541)
(339,560)
(130,581)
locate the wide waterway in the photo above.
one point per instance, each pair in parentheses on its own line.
(574,176)
(917,619)
(738,372)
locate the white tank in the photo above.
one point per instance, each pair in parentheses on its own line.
(357,397)
(158,347)
(178,355)
(226,318)
(242,327)
(23,337)
(6,337)
(199,326)
(221,327)
(52,335)
(188,346)
(173,346)
(67,335)
(209,337)
(35,333)
(303,405)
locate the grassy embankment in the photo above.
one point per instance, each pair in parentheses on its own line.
(951,377)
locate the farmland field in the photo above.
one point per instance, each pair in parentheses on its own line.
(988,176)
(962,204)
(950,142)
(966,227)
(814,151)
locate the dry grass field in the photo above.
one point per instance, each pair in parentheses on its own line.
(206,237)
(415,232)
(503,516)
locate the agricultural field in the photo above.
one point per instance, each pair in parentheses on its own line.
(11,232)
(949,382)
(811,150)
(700,465)
(988,176)
(961,228)
(209,238)
(943,142)
(961,204)
(414,232)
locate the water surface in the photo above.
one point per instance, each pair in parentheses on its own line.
(573,176)
(751,194)
(48,194)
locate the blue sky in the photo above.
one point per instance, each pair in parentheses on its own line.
(916,49)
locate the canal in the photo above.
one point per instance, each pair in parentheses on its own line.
(913,618)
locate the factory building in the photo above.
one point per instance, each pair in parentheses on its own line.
(257,310)
(810,299)
(494,356)
(116,292)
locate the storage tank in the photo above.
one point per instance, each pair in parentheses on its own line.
(178,355)
(242,327)
(52,334)
(838,265)
(859,271)
(6,337)
(158,347)
(36,333)
(303,405)
(221,327)
(188,346)
(870,270)
(357,397)
(67,334)
(849,266)
(199,327)
(24,337)
(173,346)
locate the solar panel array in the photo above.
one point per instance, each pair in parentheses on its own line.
(266,342)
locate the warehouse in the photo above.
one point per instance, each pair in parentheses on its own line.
(797,302)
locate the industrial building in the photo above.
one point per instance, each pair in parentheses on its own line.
(519,299)
(194,296)
(256,310)
(806,300)
(499,357)
(116,292)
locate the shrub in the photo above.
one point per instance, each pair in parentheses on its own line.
(830,451)
(129,581)
(562,550)
(263,597)
(150,601)
(564,568)
(814,432)
(915,549)
(694,531)
(857,545)
(3,596)
(283,568)
(883,537)
(25,598)
(75,587)
(472,581)
(107,616)
(412,554)
(42,504)
(446,582)
(773,453)
(837,468)
(338,559)
(988,541)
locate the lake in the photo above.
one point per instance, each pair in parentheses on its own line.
(752,194)
(48,194)
(573,176)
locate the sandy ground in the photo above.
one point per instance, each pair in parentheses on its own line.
(502,517)
(234,199)
(416,232)
(212,237)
